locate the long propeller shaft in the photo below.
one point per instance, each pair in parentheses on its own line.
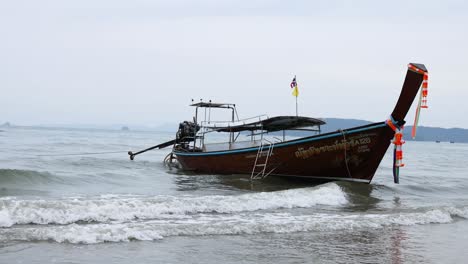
(160,146)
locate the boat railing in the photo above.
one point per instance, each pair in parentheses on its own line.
(217,146)
(240,122)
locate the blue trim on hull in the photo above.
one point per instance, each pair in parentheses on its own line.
(278,145)
(325,178)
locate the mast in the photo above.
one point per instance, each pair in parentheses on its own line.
(296,107)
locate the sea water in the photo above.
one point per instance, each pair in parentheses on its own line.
(73,196)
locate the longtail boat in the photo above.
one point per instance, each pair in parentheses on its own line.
(352,154)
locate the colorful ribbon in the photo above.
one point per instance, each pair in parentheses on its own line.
(398,149)
(422,98)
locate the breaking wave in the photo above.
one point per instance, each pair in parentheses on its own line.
(115,218)
(209,224)
(118,208)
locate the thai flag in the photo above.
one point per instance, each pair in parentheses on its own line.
(293,83)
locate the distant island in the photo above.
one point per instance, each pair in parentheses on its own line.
(6,124)
(436,134)
(452,135)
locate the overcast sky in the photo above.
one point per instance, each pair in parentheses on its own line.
(141,61)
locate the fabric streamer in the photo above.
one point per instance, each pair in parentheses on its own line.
(422,97)
(398,149)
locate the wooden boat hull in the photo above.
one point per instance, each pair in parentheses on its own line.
(352,154)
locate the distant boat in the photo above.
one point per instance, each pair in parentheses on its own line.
(125,128)
(452,142)
(352,154)
(437,141)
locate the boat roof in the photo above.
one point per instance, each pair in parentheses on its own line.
(213,105)
(272,124)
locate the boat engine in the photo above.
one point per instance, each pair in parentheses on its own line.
(187,131)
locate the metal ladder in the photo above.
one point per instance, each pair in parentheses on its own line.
(259,170)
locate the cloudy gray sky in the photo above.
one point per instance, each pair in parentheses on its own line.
(141,61)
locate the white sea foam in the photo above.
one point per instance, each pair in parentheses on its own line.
(114,218)
(5,219)
(459,212)
(220,224)
(111,208)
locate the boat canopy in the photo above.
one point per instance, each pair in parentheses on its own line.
(272,124)
(213,105)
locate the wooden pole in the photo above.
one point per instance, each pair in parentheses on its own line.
(296,106)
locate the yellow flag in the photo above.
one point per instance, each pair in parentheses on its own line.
(295,91)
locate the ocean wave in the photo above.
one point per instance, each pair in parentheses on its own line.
(208,224)
(27,176)
(110,208)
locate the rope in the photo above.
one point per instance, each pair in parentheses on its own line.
(169,159)
(345,152)
(82,154)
